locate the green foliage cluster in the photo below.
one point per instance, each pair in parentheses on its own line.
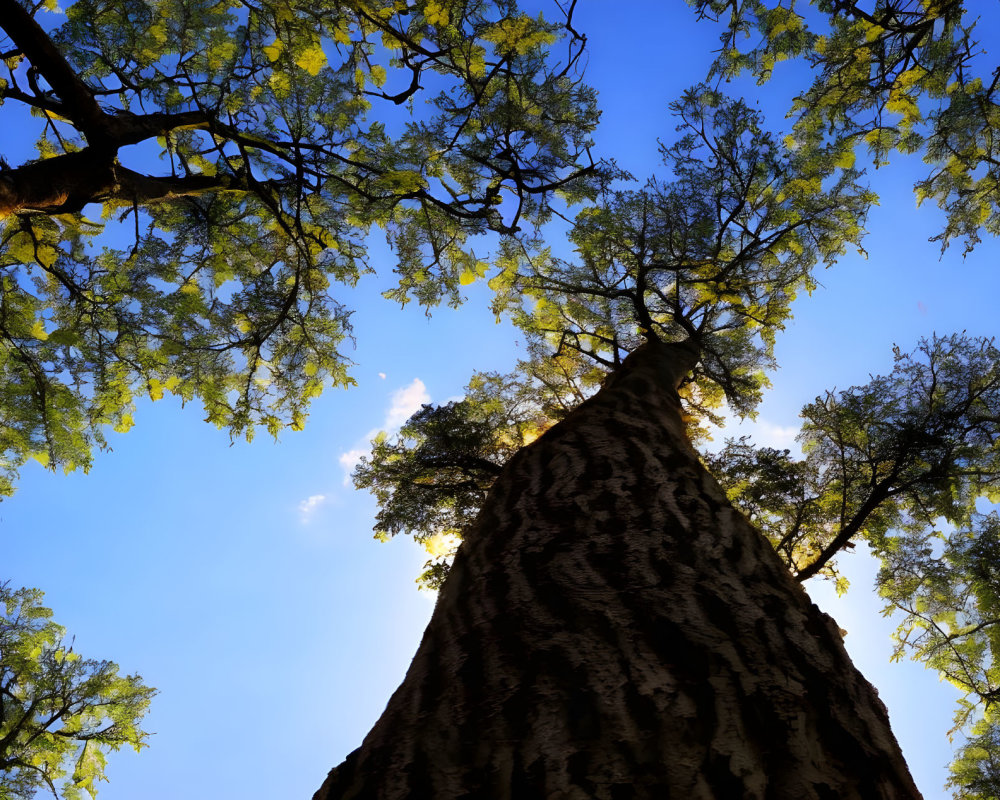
(431,478)
(240,154)
(883,460)
(716,255)
(975,773)
(59,713)
(783,497)
(947,585)
(888,76)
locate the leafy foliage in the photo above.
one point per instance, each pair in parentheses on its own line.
(894,455)
(947,586)
(431,478)
(785,498)
(59,713)
(975,773)
(889,76)
(716,256)
(242,153)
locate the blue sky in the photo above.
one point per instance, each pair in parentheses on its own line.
(243,581)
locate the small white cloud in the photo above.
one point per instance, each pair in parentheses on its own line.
(405,402)
(308,506)
(761,432)
(781,437)
(382,375)
(350,459)
(765,434)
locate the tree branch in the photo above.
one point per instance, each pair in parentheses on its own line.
(35,44)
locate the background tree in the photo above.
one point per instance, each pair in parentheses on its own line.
(246,151)
(60,714)
(888,76)
(898,454)
(893,463)
(945,585)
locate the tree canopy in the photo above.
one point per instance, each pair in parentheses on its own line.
(888,76)
(59,713)
(716,254)
(237,155)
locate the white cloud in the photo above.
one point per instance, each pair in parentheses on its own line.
(405,402)
(761,432)
(350,459)
(767,434)
(382,375)
(308,506)
(781,437)
(402,404)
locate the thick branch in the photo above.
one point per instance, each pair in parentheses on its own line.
(57,185)
(37,47)
(880,492)
(67,183)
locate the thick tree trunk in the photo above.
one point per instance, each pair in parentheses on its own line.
(612,628)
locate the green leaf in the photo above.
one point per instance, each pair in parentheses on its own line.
(274,50)
(312,59)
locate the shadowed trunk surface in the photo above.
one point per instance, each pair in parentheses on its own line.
(612,628)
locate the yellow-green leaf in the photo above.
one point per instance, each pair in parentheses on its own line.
(341,36)
(846,159)
(312,60)
(274,50)
(38,330)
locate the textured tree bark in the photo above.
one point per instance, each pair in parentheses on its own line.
(65,184)
(612,628)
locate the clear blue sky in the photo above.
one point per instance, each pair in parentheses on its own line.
(243,581)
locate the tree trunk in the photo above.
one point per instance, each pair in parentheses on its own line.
(612,628)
